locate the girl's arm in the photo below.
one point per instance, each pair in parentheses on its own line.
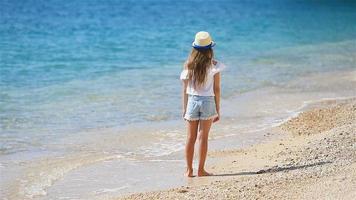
(184,96)
(217,95)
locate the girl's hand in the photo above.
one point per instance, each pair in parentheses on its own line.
(217,118)
(183,113)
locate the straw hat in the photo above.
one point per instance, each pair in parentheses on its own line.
(203,40)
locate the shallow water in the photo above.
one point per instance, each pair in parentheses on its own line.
(87,82)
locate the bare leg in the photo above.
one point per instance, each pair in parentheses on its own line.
(189,147)
(203,140)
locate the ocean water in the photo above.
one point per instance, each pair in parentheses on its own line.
(69,66)
(71,71)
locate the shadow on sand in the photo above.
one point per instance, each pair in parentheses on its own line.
(274,169)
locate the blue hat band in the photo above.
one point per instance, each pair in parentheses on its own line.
(203,47)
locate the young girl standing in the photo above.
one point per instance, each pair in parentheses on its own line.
(200,98)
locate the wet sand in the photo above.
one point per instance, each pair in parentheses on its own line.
(315,159)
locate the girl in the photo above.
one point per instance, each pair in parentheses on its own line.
(200,98)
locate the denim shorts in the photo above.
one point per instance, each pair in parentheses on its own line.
(200,108)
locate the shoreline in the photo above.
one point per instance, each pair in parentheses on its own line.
(248,121)
(304,165)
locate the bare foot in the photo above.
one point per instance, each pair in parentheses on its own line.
(189,173)
(204,173)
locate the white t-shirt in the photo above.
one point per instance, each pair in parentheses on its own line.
(208,88)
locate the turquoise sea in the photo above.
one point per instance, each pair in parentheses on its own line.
(70,67)
(67,66)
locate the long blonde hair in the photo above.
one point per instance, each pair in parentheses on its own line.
(198,63)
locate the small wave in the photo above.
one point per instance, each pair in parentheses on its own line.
(110,190)
(42,174)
